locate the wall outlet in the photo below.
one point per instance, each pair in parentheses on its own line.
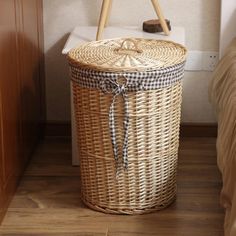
(202,60)
(210,60)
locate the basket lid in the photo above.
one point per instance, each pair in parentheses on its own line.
(128,54)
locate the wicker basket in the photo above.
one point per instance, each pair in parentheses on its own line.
(127,99)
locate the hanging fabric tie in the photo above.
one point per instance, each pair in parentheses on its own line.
(118,88)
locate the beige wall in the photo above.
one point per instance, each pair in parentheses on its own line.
(200,18)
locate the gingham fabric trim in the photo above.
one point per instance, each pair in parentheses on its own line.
(135,81)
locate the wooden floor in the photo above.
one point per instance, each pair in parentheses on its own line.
(47,202)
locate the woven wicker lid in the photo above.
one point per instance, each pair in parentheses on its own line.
(128,54)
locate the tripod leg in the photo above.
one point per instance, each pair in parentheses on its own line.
(109,13)
(161,17)
(103,17)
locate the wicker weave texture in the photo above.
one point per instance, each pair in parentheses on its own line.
(132,54)
(149,184)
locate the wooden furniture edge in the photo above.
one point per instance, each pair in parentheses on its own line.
(63,129)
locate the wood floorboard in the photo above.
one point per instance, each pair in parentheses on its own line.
(48,203)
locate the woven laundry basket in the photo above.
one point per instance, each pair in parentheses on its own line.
(127,100)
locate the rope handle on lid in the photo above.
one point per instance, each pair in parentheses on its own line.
(124,49)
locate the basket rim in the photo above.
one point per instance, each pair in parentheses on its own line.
(93,66)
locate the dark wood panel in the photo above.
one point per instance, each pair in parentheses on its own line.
(20,97)
(30,76)
(9,85)
(1,171)
(9,99)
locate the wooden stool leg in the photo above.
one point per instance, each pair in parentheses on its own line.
(103,17)
(109,13)
(161,17)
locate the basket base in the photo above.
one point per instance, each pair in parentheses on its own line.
(124,211)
